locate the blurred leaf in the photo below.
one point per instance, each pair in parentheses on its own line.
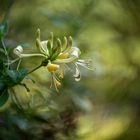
(2,50)
(1,67)
(3,29)
(2,85)
(4,97)
(15,77)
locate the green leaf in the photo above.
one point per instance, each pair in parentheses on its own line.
(4,97)
(1,67)
(2,84)
(15,77)
(3,29)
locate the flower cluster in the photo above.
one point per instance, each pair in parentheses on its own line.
(57,56)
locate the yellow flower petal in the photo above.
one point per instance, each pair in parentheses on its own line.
(52,67)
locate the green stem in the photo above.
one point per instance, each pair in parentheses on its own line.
(44,63)
(35,69)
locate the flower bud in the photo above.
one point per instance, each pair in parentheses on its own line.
(18,50)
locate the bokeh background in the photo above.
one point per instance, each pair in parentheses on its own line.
(104,105)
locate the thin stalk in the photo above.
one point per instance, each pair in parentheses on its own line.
(18,64)
(44,63)
(34,69)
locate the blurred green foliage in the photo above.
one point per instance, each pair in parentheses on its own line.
(104,105)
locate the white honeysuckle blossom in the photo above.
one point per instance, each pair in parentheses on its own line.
(57,57)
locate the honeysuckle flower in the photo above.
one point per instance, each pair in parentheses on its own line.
(57,56)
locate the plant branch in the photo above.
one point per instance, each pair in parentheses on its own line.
(44,63)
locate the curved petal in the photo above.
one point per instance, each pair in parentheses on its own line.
(85,63)
(38,45)
(18,50)
(75,51)
(74,54)
(67,44)
(44,47)
(31,55)
(77,74)
(68,60)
